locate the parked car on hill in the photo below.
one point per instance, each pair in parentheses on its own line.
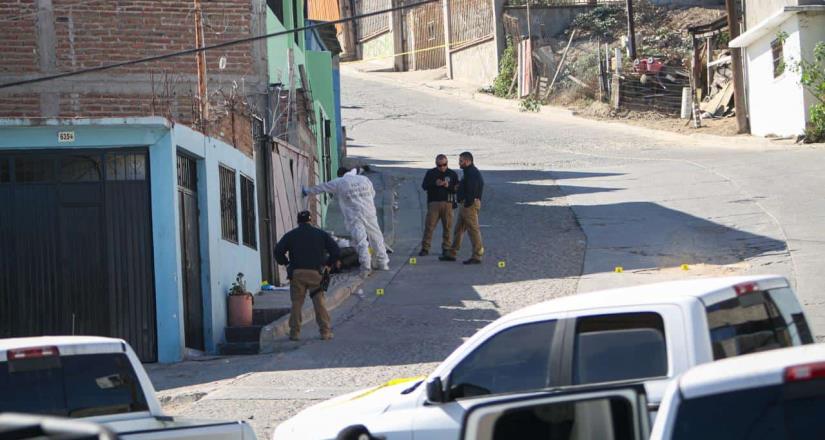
(650,333)
(98,380)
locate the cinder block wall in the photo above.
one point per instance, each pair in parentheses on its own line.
(42,37)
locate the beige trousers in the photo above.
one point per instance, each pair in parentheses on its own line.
(438,211)
(303,281)
(468,221)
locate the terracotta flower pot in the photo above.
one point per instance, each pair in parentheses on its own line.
(240,310)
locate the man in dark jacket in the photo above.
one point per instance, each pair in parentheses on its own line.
(441,184)
(469,198)
(311,252)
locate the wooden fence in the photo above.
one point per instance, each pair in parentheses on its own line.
(562,3)
(370,27)
(424,37)
(471,21)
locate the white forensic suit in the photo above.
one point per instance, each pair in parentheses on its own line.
(355,196)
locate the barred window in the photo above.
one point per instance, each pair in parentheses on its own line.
(248,212)
(777,51)
(229,204)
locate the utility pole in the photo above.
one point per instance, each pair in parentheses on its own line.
(203,95)
(631,31)
(736,63)
(447,40)
(529,32)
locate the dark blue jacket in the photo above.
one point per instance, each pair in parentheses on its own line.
(308,248)
(471,186)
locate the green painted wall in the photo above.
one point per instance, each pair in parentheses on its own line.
(318,66)
(277,47)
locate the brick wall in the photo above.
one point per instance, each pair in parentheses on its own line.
(81,34)
(19,48)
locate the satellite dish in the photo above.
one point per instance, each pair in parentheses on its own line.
(222,63)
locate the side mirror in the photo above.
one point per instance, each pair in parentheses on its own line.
(435,391)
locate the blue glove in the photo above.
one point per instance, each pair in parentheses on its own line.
(304,191)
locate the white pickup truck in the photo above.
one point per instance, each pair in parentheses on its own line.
(648,333)
(97,380)
(777,395)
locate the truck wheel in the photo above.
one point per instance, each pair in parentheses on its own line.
(355,432)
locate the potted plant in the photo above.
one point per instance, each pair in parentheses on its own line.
(240,303)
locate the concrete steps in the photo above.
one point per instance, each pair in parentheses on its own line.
(269,307)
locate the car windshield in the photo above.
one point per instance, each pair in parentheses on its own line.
(71,386)
(778,412)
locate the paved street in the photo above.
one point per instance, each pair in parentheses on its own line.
(567,201)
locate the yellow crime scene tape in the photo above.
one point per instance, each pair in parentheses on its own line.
(426,49)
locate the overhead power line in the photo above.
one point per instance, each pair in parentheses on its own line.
(205,48)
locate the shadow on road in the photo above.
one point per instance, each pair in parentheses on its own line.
(429,308)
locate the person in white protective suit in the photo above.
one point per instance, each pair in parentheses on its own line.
(355,196)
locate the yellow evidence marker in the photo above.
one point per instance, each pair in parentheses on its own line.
(685,267)
(502,264)
(618,269)
(379,292)
(413,261)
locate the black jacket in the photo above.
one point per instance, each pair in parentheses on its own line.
(471,186)
(439,193)
(308,248)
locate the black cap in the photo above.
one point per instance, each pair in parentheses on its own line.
(304,217)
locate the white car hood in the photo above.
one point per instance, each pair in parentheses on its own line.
(363,407)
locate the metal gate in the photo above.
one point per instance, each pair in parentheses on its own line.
(76,246)
(190,252)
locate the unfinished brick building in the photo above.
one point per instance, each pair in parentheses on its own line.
(43,37)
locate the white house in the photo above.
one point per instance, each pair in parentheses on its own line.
(779,33)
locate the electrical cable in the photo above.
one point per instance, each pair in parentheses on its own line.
(205,48)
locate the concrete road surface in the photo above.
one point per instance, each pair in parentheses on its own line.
(567,201)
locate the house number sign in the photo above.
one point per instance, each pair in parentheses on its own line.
(65,137)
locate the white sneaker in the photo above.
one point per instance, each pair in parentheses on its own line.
(385,266)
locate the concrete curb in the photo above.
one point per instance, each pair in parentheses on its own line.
(341,285)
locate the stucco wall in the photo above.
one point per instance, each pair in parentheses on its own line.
(221,260)
(757,11)
(476,64)
(379,51)
(776,104)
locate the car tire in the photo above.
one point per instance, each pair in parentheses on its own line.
(355,432)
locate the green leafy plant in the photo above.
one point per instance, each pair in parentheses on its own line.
(812,76)
(529,104)
(603,21)
(238,286)
(506,70)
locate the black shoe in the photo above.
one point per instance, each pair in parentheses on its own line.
(423,253)
(472,261)
(446,258)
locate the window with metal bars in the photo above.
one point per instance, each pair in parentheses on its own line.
(777,51)
(248,212)
(229,204)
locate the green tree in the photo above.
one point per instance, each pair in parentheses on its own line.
(812,76)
